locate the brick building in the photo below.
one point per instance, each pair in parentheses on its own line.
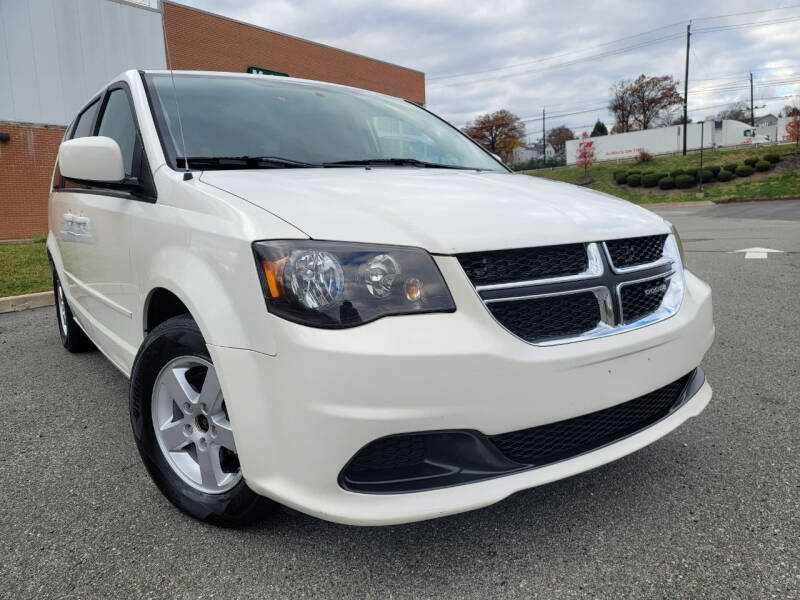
(60,52)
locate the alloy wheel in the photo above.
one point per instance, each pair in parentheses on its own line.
(191,425)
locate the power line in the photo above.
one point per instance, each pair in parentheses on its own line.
(747,25)
(590,48)
(749,12)
(575,61)
(552,56)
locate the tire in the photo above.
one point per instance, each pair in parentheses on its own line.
(72,336)
(182,431)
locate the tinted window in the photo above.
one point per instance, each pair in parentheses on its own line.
(84,122)
(117,123)
(255,116)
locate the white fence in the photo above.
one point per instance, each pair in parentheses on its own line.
(669,140)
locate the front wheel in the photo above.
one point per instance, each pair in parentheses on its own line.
(180,422)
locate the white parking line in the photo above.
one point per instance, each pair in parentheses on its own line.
(756,252)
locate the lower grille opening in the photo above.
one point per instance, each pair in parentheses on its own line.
(564,439)
(410,462)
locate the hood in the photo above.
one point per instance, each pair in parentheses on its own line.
(442,210)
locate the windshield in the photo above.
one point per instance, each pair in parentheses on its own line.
(303,123)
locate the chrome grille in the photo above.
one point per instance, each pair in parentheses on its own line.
(541,318)
(636,251)
(503,266)
(641,298)
(607,290)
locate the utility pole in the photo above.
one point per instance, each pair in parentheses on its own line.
(544,140)
(752,114)
(686,87)
(700,174)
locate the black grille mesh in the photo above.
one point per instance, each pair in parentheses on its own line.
(640,299)
(393,452)
(504,266)
(538,319)
(565,439)
(636,251)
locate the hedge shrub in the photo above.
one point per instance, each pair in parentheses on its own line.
(751,161)
(731,167)
(706,175)
(684,181)
(620,177)
(744,171)
(634,180)
(650,180)
(725,175)
(773,158)
(715,169)
(676,172)
(763,165)
(666,183)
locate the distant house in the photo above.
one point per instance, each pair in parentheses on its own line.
(524,154)
(769,120)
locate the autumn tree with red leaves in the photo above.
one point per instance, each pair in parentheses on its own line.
(499,132)
(585,152)
(639,104)
(793,132)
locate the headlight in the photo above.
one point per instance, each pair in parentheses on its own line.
(678,242)
(338,284)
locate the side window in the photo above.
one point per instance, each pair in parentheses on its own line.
(85,120)
(118,123)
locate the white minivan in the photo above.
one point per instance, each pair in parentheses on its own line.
(333,299)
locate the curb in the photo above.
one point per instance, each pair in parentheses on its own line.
(26,301)
(737,200)
(676,204)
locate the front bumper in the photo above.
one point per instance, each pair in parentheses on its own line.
(300,416)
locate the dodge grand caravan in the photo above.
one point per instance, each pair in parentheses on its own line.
(333,299)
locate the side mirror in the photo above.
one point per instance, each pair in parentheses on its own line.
(497,156)
(91,159)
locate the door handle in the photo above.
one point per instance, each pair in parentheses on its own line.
(69,217)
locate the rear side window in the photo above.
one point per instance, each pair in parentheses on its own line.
(85,120)
(118,123)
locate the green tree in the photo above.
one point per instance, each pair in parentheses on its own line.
(599,129)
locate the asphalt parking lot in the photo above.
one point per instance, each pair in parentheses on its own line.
(712,510)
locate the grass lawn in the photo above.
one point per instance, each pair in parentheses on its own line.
(780,184)
(24,268)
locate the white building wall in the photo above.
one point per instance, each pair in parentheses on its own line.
(54,54)
(625,146)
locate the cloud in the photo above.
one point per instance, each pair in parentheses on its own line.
(448,37)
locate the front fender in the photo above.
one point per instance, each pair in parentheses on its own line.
(223,296)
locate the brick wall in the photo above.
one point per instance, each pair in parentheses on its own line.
(197,41)
(201,41)
(26,165)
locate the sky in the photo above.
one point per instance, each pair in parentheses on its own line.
(563,56)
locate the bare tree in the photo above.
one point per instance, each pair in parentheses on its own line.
(558,136)
(738,111)
(674,117)
(499,132)
(790,111)
(621,106)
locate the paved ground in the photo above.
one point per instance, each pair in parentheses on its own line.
(713,510)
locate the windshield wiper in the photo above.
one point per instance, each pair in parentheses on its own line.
(396,162)
(244,162)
